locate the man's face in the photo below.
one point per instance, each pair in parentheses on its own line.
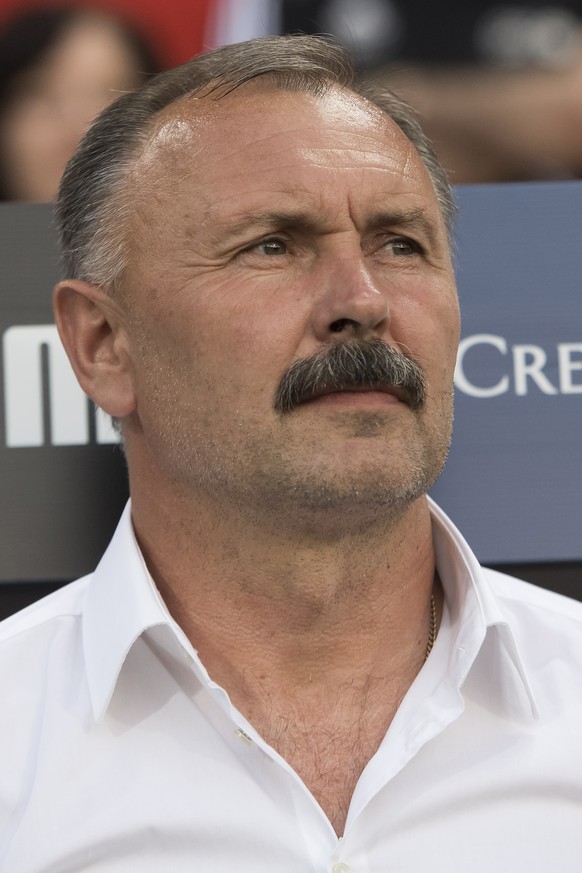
(268,227)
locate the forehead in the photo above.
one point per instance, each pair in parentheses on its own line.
(209,158)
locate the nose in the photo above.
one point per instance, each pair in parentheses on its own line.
(350,303)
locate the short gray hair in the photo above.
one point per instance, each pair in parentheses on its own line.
(93,205)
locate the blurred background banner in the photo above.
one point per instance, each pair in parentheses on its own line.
(62,480)
(513,482)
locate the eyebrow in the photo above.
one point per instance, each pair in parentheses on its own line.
(413,219)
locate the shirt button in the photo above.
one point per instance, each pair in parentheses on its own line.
(340,868)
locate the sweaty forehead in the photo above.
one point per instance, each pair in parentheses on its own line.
(194,135)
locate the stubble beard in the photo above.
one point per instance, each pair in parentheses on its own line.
(289,476)
(406,454)
(297,484)
(313,494)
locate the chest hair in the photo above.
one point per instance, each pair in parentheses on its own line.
(328,738)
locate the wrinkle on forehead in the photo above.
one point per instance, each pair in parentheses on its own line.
(411,159)
(398,159)
(187,120)
(181,152)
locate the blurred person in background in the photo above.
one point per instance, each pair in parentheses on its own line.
(497,84)
(59,67)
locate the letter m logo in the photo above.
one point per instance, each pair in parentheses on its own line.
(40,386)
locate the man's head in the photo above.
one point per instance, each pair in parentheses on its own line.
(252,218)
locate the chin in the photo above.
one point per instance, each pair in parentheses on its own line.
(351,503)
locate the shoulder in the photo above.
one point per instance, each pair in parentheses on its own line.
(532,598)
(41,657)
(42,620)
(545,624)
(42,687)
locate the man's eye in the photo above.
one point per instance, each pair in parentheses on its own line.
(272,246)
(403,246)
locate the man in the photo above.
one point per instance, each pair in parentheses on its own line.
(262,296)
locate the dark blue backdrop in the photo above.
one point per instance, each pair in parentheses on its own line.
(513,482)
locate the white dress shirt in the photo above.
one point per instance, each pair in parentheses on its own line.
(119,753)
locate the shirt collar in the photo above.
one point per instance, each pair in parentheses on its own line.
(123,602)
(481,628)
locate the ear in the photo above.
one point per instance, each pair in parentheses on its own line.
(91,327)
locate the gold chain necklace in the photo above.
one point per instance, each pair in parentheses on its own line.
(432,632)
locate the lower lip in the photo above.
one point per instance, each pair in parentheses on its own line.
(357,399)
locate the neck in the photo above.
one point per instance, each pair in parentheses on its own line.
(248,595)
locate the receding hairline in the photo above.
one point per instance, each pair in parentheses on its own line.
(102,166)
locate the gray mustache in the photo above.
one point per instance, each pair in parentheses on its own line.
(356,363)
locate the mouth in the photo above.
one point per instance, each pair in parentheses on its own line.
(362,395)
